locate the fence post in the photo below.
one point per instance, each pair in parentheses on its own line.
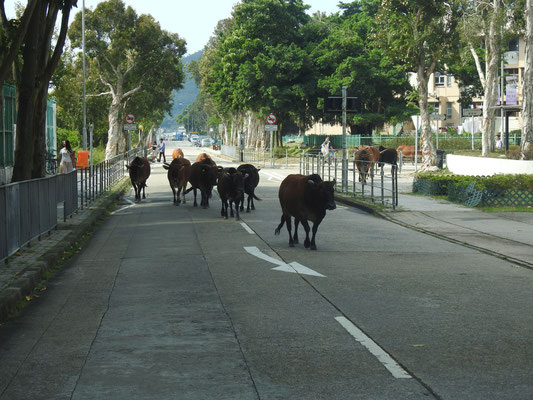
(382,185)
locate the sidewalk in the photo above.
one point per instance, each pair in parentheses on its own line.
(32,264)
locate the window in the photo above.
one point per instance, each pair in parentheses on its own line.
(449,80)
(439,79)
(435,107)
(448,110)
(513,45)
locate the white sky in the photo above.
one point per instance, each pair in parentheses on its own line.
(193,20)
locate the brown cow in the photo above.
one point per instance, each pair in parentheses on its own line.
(306,198)
(177,153)
(179,171)
(139,170)
(363,162)
(231,190)
(408,151)
(204,177)
(204,156)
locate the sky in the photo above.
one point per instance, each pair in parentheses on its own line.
(193,20)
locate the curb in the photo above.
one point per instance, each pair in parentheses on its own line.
(12,296)
(356,204)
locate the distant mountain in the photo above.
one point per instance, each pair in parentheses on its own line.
(182,97)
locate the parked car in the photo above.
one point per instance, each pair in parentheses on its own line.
(194,138)
(206,142)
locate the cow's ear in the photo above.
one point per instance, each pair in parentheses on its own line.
(258,169)
(219,168)
(127,166)
(166,166)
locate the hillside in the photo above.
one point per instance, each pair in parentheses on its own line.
(182,97)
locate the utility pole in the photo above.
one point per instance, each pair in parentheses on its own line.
(344,152)
(84,128)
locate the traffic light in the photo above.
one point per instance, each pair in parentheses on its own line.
(333,104)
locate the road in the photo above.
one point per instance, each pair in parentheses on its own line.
(167,302)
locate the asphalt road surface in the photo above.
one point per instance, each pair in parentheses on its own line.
(174,302)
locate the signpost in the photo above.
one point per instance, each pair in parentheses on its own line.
(129,126)
(271,126)
(437,117)
(472,112)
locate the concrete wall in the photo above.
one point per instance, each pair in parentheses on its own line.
(464,165)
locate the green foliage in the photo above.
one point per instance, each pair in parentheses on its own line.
(491,183)
(74,137)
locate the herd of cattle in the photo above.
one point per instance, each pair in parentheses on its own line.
(367,156)
(304,197)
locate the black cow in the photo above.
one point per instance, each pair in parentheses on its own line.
(306,198)
(204,177)
(139,170)
(231,183)
(179,171)
(250,183)
(387,155)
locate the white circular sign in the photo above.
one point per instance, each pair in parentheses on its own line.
(130,118)
(271,119)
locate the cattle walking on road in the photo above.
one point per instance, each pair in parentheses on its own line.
(230,188)
(363,162)
(177,153)
(139,170)
(203,177)
(250,183)
(179,171)
(306,198)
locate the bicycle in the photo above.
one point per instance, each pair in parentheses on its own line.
(51,164)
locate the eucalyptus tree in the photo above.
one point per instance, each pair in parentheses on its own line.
(483,28)
(39,58)
(136,61)
(419,35)
(526,148)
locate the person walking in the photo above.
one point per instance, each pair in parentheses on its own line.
(68,158)
(162,151)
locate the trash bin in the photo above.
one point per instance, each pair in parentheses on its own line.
(440,159)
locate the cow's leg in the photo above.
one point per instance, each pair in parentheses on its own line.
(195,204)
(205,201)
(305,224)
(276,232)
(237,216)
(173,194)
(315,228)
(137,196)
(231,208)
(252,199)
(242,203)
(291,241)
(222,209)
(295,236)
(181,192)
(144,190)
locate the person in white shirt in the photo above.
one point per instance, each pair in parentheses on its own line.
(67,156)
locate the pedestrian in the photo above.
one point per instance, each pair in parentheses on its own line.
(162,151)
(68,158)
(499,142)
(326,147)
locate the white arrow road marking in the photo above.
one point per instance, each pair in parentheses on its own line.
(124,208)
(293,267)
(273,177)
(247,228)
(388,362)
(297,268)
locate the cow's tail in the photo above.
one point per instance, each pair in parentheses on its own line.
(256,198)
(188,190)
(276,232)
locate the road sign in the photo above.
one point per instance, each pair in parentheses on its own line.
(437,117)
(130,127)
(333,104)
(271,127)
(130,118)
(470,112)
(271,119)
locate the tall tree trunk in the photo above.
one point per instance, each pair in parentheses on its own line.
(39,128)
(24,149)
(113,134)
(491,83)
(526,147)
(429,155)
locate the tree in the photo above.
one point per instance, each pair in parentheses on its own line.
(419,35)
(39,60)
(137,63)
(526,148)
(346,56)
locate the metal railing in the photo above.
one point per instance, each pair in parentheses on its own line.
(29,209)
(379,185)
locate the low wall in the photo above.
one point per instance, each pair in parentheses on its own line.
(484,166)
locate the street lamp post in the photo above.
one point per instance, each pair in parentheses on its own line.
(84,128)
